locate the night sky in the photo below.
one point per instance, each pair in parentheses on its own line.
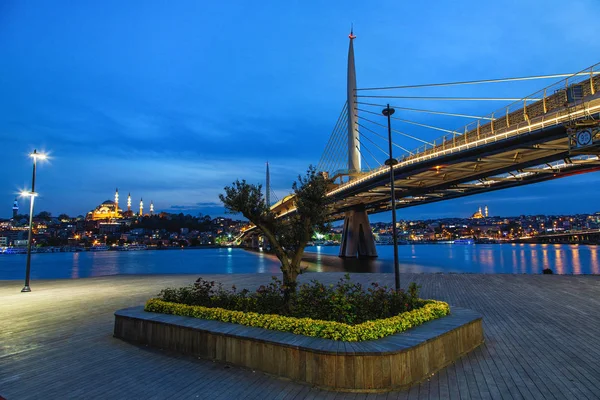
(171,101)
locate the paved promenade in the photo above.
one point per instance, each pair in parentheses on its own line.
(542,342)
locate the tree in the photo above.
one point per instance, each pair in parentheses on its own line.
(289,235)
(44,215)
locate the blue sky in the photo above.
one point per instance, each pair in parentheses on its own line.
(171,101)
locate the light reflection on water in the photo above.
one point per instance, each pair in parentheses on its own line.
(512,258)
(505,258)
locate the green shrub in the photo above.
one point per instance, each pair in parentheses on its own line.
(368,330)
(345,302)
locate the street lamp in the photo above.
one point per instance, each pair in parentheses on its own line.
(388,112)
(35,155)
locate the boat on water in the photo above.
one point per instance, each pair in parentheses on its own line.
(133,247)
(99,247)
(16,250)
(464,241)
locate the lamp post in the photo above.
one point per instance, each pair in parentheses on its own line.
(35,155)
(388,111)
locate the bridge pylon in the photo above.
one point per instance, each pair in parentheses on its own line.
(357,237)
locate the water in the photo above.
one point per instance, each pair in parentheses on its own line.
(88,264)
(489,259)
(480,258)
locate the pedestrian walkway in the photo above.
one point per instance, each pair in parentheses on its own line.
(541,331)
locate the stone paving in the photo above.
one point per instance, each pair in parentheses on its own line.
(542,342)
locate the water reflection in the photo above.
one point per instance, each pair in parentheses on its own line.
(559,265)
(484,258)
(229,261)
(594,260)
(576,260)
(563,259)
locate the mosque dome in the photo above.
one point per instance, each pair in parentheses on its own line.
(479,214)
(107,210)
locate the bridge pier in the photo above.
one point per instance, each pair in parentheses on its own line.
(357,237)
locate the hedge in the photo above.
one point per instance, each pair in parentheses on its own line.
(369,330)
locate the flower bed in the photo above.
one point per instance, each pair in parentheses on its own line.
(368,330)
(344,311)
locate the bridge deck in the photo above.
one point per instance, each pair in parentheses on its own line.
(56,342)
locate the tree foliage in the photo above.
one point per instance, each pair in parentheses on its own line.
(44,215)
(287,235)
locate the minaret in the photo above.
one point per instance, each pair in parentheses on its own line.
(129,203)
(116,202)
(15,208)
(480,213)
(486,211)
(353,144)
(141,208)
(151,208)
(268,187)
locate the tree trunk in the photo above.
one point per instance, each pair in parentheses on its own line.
(290,275)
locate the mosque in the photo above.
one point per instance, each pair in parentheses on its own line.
(479,214)
(109,209)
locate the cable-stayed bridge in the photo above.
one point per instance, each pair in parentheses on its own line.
(549,134)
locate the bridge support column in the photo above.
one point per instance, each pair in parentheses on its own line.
(357,237)
(255,242)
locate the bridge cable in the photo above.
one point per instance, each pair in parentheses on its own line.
(451,98)
(364,158)
(362,146)
(375,144)
(333,153)
(338,153)
(340,161)
(411,122)
(524,78)
(337,133)
(326,152)
(398,132)
(274,195)
(337,156)
(386,139)
(425,111)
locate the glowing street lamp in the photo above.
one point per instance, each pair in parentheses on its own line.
(36,156)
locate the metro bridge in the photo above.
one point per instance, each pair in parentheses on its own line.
(550,134)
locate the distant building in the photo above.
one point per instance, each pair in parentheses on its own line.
(108,227)
(479,214)
(15,208)
(106,210)
(110,210)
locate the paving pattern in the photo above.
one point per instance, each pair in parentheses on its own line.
(542,342)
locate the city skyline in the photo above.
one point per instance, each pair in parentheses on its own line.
(162,99)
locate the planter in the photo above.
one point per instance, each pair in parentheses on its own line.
(393,362)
